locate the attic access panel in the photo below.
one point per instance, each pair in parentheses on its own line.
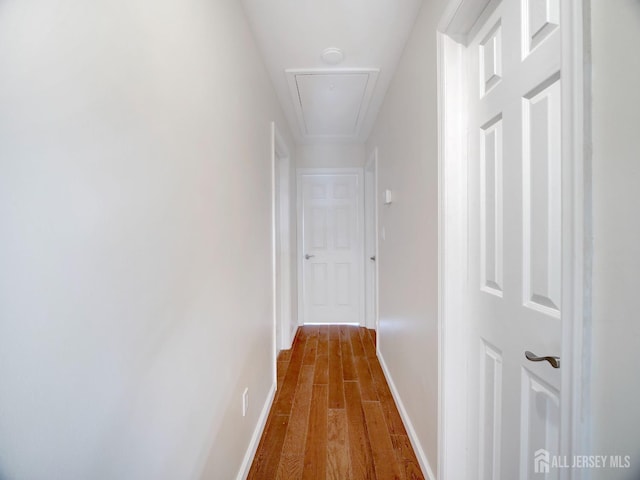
(331,103)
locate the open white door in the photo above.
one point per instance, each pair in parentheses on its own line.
(331,245)
(511,244)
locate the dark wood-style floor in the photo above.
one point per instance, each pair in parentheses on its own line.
(333,416)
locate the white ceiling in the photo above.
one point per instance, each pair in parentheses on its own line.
(341,104)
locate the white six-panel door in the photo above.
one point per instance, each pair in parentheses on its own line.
(514,191)
(331,246)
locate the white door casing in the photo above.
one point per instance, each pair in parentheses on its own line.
(371,239)
(506,95)
(282,251)
(330,245)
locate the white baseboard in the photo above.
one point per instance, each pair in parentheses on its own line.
(417,447)
(257,434)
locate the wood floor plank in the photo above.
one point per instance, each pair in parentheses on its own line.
(322,370)
(292,460)
(284,355)
(361,458)
(290,467)
(284,399)
(373,335)
(265,464)
(281,370)
(315,454)
(299,418)
(384,456)
(356,344)
(348,368)
(396,427)
(336,387)
(303,332)
(337,446)
(369,346)
(310,348)
(367,386)
(323,340)
(365,378)
(406,456)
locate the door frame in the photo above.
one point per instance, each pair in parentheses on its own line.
(281,242)
(360,232)
(453,352)
(372,276)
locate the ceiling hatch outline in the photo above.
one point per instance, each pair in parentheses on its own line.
(297,78)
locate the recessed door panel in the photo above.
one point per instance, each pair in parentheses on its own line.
(318,227)
(490,412)
(319,277)
(491,59)
(540,18)
(541,199)
(342,284)
(540,424)
(491,207)
(341,190)
(342,231)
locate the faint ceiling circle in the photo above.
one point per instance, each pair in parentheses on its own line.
(332,56)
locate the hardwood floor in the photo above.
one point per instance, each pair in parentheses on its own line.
(333,416)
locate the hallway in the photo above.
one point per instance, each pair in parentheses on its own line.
(333,416)
(155,259)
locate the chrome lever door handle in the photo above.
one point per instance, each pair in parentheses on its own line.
(373,258)
(307,256)
(554,361)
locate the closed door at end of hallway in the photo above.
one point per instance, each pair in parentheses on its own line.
(331,247)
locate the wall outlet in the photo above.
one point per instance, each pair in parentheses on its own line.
(245,401)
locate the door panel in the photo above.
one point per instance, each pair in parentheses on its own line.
(490,411)
(541,194)
(332,248)
(540,422)
(514,191)
(491,206)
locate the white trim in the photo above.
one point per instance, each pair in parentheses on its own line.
(372,164)
(257,434)
(577,254)
(281,218)
(274,256)
(413,437)
(330,171)
(577,251)
(453,351)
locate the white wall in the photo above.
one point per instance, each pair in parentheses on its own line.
(330,155)
(616,267)
(406,135)
(135,208)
